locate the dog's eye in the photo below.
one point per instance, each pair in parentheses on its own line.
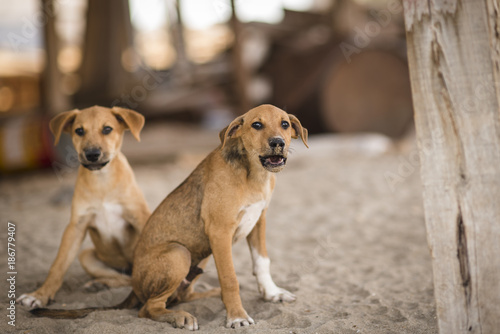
(285,125)
(79,131)
(257,125)
(106,130)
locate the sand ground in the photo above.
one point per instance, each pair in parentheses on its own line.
(347,242)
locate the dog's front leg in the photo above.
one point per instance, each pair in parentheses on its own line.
(70,244)
(221,244)
(261,265)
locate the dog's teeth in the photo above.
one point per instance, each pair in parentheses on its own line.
(275,160)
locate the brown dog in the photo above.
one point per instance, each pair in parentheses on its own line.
(225,199)
(107,201)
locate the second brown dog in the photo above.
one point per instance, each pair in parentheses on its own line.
(107,201)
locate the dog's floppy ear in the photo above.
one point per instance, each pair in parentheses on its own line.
(230,130)
(131,119)
(62,122)
(298,129)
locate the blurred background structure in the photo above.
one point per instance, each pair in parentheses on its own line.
(339,65)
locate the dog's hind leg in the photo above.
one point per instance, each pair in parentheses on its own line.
(104,276)
(189,294)
(158,275)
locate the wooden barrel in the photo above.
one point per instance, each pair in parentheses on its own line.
(370,94)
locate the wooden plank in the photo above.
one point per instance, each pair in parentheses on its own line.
(453,70)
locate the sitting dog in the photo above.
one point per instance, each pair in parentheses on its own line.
(107,201)
(224,200)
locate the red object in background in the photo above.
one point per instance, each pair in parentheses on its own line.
(25,143)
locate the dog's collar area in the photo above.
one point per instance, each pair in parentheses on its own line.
(272,161)
(94,166)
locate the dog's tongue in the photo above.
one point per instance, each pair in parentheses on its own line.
(275,159)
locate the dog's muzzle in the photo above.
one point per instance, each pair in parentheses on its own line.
(92,159)
(276,160)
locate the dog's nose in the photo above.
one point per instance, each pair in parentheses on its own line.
(276,142)
(93,154)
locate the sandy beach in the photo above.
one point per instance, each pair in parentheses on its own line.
(347,242)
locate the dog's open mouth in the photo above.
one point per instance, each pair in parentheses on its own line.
(94,166)
(273,161)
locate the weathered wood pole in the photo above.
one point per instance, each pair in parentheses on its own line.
(453,53)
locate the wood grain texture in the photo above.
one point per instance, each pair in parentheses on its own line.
(453,52)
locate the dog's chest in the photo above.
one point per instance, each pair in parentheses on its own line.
(250,214)
(109,221)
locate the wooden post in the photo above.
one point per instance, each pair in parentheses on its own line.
(453,55)
(182,69)
(177,28)
(108,35)
(53,99)
(240,72)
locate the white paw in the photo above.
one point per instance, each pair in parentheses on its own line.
(279,295)
(239,322)
(30,301)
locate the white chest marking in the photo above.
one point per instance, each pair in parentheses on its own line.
(110,223)
(251,214)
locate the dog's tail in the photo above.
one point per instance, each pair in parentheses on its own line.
(130,302)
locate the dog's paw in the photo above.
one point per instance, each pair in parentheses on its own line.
(94,286)
(239,322)
(242,320)
(279,295)
(32,300)
(184,320)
